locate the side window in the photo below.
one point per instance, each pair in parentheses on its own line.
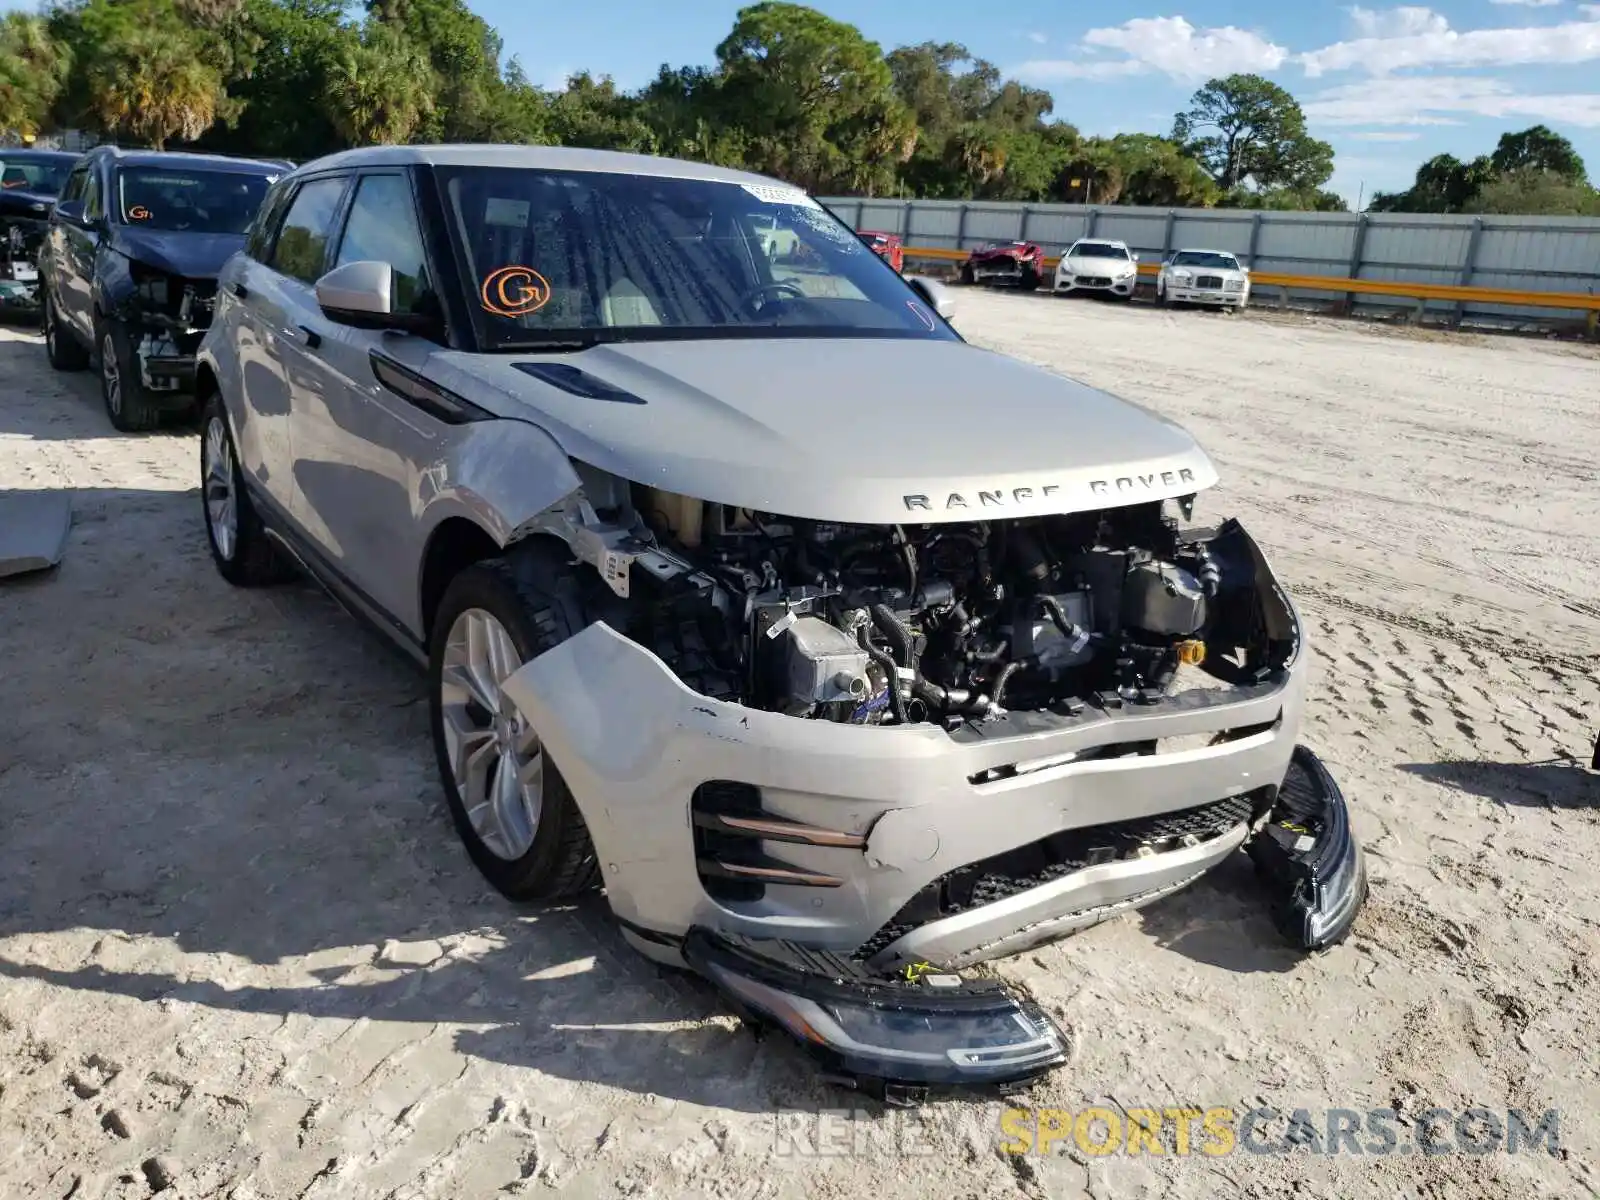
(265,222)
(93,202)
(302,244)
(383,227)
(75,184)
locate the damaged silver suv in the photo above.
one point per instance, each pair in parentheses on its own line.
(843,654)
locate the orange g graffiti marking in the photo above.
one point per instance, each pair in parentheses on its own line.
(515,292)
(138,213)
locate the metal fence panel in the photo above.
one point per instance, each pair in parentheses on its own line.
(1523,253)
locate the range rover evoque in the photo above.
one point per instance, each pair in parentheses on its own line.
(731,601)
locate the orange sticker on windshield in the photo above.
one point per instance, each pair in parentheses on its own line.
(138,213)
(515,292)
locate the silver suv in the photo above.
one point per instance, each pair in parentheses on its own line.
(844,654)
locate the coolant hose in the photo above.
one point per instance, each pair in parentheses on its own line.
(1010,669)
(897,702)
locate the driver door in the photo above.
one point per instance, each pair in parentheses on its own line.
(361,448)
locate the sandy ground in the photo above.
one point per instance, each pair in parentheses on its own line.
(242,953)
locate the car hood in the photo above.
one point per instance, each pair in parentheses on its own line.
(189,255)
(869,430)
(15,202)
(1223,272)
(1098,266)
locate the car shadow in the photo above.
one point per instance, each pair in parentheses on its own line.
(1222,920)
(43,404)
(1559,783)
(227,798)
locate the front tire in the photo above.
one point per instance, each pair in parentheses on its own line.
(967,277)
(1030,279)
(240,548)
(511,807)
(60,346)
(127,403)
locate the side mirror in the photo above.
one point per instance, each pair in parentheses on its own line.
(936,294)
(71,211)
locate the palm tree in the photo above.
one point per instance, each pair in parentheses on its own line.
(153,87)
(380,88)
(32,68)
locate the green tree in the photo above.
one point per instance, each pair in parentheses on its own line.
(1535,192)
(1157,173)
(33,69)
(1247,131)
(1538,149)
(282,110)
(463,55)
(815,98)
(379,88)
(593,112)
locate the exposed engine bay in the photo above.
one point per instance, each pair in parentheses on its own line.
(949,623)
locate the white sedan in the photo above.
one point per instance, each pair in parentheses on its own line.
(1203,277)
(1096,265)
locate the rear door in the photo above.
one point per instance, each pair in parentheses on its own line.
(265,298)
(75,265)
(360,447)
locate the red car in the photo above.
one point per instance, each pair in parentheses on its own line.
(1021,263)
(887,246)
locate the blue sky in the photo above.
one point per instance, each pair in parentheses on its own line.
(1388,86)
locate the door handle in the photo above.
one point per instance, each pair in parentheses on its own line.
(313,338)
(239,290)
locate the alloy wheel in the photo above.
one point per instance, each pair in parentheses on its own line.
(496,759)
(222,513)
(111,374)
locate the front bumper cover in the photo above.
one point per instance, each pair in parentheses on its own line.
(894,1039)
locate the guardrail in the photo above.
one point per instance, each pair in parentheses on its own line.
(1571,301)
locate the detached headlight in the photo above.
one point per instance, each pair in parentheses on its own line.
(150,286)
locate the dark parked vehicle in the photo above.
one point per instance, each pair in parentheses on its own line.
(30,180)
(128,272)
(1019,263)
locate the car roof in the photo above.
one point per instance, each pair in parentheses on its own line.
(183,158)
(1203,250)
(1104,241)
(543,158)
(23,154)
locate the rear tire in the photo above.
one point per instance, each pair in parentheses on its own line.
(967,277)
(127,403)
(1030,279)
(63,350)
(533,597)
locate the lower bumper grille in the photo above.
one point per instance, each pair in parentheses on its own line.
(1059,855)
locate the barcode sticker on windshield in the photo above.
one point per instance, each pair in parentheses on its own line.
(768,194)
(497,210)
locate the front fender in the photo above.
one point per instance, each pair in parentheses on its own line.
(500,474)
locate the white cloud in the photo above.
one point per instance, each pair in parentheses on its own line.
(1169,45)
(1376,135)
(1036,37)
(1528,3)
(1439,100)
(1045,69)
(1408,21)
(1435,44)
(1591,10)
